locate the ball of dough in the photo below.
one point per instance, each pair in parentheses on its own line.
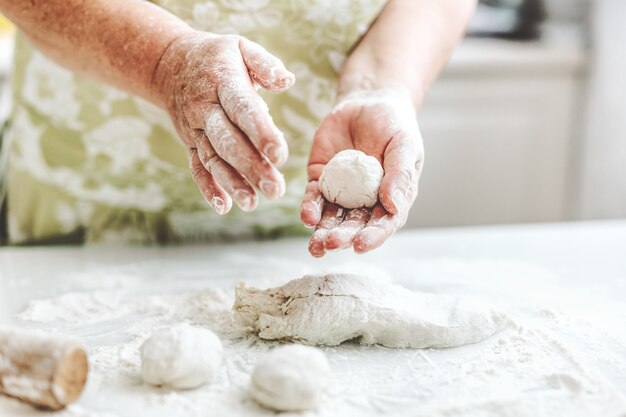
(290,378)
(351,179)
(181,357)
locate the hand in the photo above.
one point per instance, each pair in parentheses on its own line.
(380,123)
(207,84)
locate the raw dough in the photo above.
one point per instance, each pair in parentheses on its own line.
(330,309)
(181,357)
(351,179)
(290,378)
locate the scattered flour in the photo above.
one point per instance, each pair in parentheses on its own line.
(542,363)
(210,307)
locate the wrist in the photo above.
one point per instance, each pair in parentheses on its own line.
(356,80)
(366,89)
(170,62)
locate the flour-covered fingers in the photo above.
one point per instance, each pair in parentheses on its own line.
(332,216)
(248,112)
(212,192)
(233,183)
(312,205)
(234,147)
(379,228)
(403,162)
(342,236)
(265,69)
(316,244)
(226,176)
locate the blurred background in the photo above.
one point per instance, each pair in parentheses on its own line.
(6,50)
(527,122)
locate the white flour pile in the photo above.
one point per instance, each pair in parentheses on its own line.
(543,363)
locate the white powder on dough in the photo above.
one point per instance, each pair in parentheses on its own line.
(351,179)
(181,357)
(331,309)
(544,362)
(291,378)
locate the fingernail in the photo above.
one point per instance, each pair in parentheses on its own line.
(218,204)
(271,189)
(277,154)
(244,200)
(285,82)
(359,246)
(307,207)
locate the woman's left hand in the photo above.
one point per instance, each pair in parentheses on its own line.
(380,123)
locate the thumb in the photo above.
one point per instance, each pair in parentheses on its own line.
(264,68)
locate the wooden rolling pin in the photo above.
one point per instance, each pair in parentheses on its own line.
(41,369)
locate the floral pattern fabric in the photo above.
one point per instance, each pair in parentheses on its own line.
(90,163)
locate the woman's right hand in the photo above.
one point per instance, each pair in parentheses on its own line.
(207,84)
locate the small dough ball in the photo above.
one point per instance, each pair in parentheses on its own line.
(290,378)
(181,357)
(351,179)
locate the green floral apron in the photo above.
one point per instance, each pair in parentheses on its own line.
(90,163)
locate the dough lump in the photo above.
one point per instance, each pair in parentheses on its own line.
(290,378)
(330,309)
(351,179)
(181,357)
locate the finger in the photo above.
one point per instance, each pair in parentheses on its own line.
(403,161)
(331,217)
(249,112)
(380,227)
(265,69)
(209,188)
(231,181)
(233,147)
(342,236)
(312,205)
(226,176)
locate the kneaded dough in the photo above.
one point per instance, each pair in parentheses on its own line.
(330,309)
(290,378)
(181,357)
(351,179)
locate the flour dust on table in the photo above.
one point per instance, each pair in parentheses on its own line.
(534,365)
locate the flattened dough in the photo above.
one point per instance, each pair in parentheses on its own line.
(330,309)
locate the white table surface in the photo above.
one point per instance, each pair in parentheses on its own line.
(575,270)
